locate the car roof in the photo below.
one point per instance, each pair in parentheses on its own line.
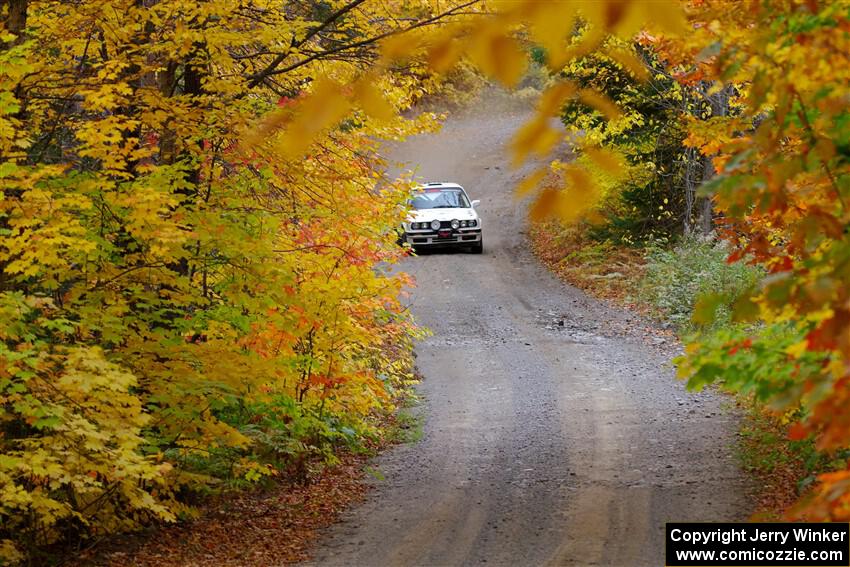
(440,185)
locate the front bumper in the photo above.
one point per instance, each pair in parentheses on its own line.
(433,238)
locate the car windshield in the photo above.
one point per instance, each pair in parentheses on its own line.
(439,199)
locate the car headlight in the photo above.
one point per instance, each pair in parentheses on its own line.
(455,224)
(473,223)
(435,224)
(414,226)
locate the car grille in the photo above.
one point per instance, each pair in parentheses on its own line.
(445,225)
(448,224)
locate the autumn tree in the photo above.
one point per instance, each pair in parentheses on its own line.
(193,218)
(650,202)
(782,182)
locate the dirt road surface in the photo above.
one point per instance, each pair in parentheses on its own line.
(543,444)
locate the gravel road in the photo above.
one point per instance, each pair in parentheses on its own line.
(543,444)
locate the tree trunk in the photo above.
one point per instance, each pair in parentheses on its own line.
(719,103)
(15,22)
(194,71)
(705,221)
(16,17)
(168,137)
(690,191)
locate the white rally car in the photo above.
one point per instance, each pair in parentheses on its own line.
(442,215)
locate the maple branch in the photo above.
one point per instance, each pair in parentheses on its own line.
(272,69)
(311,247)
(125,272)
(259,77)
(803,115)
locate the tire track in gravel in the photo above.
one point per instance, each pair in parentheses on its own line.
(543,444)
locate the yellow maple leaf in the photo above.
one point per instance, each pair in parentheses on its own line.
(544,206)
(530,183)
(535,136)
(550,23)
(498,55)
(797,349)
(444,54)
(608,161)
(371,100)
(321,109)
(600,102)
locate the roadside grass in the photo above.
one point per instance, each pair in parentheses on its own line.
(676,276)
(408,422)
(408,427)
(602,269)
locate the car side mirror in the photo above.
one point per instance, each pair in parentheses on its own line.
(476,202)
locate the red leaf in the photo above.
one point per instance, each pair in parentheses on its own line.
(785,264)
(735,256)
(798,432)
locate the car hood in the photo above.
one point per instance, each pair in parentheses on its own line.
(427,215)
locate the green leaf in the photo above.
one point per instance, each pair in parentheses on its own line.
(705,309)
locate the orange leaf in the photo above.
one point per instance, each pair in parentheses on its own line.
(797,432)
